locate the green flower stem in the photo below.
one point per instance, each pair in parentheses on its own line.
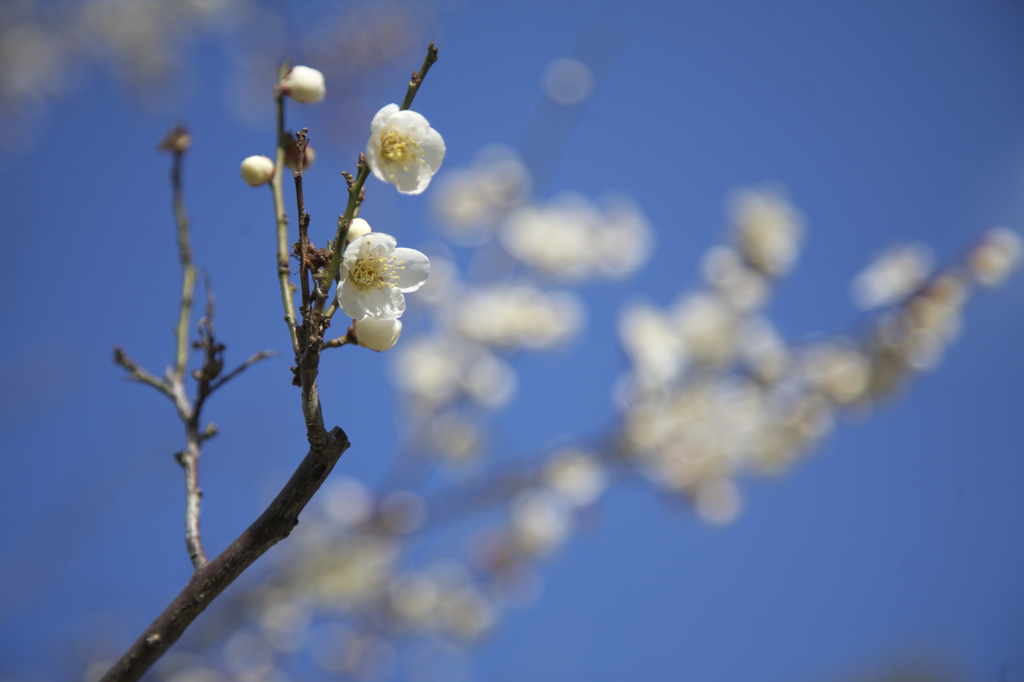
(417,78)
(188,272)
(355,198)
(281,218)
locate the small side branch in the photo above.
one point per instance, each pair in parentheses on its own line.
(256,357)
(178,142)
(136,373)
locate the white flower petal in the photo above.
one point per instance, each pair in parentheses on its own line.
(349,301)
(381,117)
(386,303)
(409,179)
(415,269)
(407,119)
(433,148)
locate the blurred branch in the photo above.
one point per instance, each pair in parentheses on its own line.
(136,373)
(178,141)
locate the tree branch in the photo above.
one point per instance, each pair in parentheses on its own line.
(273,525)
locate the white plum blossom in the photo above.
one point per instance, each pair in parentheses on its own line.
(609,240)
(378,335)
(375,276)
(894,274)
(996,256)
(768,230)
(304,84)
(257,170)
(519,315)
(403,149)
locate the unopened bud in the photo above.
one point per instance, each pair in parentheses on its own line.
(378,335)
(257,170)
(998,254)
(304,84)
(357,229)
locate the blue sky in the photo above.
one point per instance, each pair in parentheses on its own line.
(885,122)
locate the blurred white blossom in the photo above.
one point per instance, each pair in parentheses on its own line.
(996,256)
(893,275)
(428,369)
(768,230)
(576,476)
(572,239)
(468,200)
(519,316)
(540,520)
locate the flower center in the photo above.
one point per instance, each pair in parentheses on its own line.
(374,271)
(397,147)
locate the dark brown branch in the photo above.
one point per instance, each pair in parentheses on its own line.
(273,525)
(301,139)
(256,357)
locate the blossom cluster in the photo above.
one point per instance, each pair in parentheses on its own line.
(374,274)
(714,392)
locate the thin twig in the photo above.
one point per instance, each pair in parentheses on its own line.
(281,220)
(301,139)
(418,76)
(347,340)
(256,357)
(136,373)
(188,271)
(355,198)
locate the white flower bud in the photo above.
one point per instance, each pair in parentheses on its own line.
(357,229)
(998,254)
(257,170)
(304,84)
(378,335)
